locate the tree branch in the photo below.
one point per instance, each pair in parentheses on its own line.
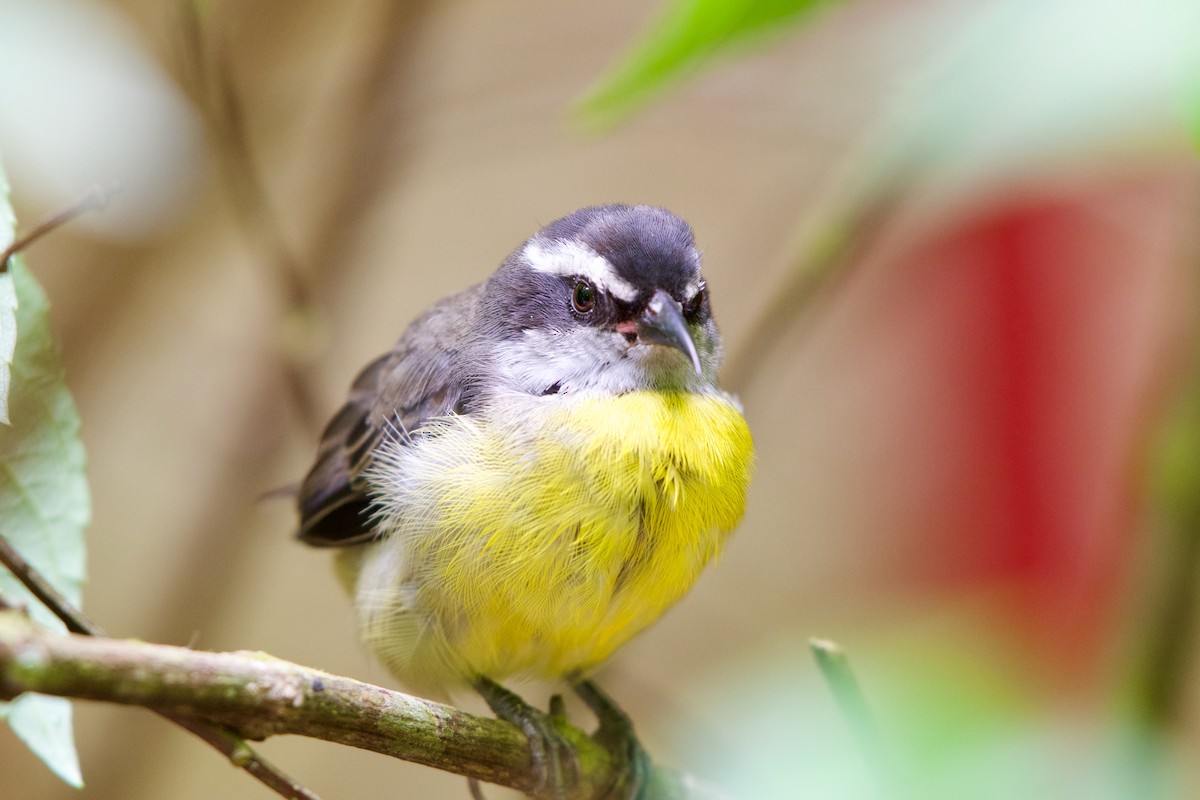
(220,739)
(256,696)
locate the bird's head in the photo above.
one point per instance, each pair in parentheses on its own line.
(608,298)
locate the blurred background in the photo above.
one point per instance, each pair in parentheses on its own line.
(952,248)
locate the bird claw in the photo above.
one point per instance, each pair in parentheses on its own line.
(616,734)
(555,765)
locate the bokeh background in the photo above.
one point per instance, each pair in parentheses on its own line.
(952,248)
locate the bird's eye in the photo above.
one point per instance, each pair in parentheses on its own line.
(584,298)
(692,307)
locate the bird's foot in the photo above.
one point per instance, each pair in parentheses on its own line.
(555,766)
(633,764)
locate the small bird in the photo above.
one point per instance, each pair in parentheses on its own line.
(540,467)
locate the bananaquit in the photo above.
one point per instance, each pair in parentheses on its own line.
(540,467)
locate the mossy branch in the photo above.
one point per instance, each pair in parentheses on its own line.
(257,696)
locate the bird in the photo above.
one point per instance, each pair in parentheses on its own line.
(541,466)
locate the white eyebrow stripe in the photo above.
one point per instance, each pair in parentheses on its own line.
(565,259)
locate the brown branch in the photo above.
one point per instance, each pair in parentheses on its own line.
(209,77)
(46,594)
(227,743)
(367,161)
(377,150)
(258,696)
(205,63)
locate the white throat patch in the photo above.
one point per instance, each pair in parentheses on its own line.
(572,258)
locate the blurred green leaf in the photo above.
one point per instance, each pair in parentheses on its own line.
(957,713)
(1023,88)
(1162,670)
(8,300)
(687,33)
(1176,468)
(1191,109)
(44,501)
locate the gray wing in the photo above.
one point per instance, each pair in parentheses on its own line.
(422,377)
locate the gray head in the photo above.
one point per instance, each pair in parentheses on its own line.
(608,297)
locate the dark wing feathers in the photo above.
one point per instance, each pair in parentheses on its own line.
(421,378)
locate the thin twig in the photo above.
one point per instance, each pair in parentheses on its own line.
(227,743)
(208,76)
(216,95)
(96,199)
(368,160)
(46,594)
(260,696)
(825,257)
(375,155)
(241,755)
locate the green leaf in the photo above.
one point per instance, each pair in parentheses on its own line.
(1019,89)
(44,500)
(1191,108)
(8,300)
(44,725)
(688,33)
(954,714)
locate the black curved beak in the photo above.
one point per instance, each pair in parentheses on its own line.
(662,323)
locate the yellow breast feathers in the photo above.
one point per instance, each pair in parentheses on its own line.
(540,536)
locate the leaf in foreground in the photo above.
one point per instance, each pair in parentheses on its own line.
(44,501)
(688,33)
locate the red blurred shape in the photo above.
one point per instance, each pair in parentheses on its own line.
(1068,298)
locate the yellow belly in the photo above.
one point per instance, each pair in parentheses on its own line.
(540,535)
